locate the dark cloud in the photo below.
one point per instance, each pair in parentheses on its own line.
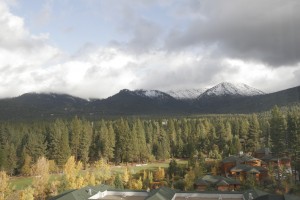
(266,31)
(193,74)
(145,35)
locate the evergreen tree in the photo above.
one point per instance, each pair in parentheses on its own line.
(3,156)
(118,182)
(85,142)
(293,132)
(278,131)
(173,168)
(111,141)
(26,166)
(58,143)
(235,146)
(34,144)
(163,146)
(122,141)
(172,137)
(253,135)
(133,148)
(11,158)
(221,134)
(143,153)
(244,129)
(75,133)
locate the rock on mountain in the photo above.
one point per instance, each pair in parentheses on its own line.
(231,89)
(185,94)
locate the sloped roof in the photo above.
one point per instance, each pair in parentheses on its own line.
(75,194)
(270,197)
(82,193)
(255,193)
(240,159)
(216,179)
(162,193)
(201,182)
(261,169)
(291,197)
(222,183)
(263,150)
(248,168)
(230,159)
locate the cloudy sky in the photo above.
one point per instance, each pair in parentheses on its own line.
(94,48)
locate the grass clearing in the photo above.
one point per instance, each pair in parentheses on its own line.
(19,183)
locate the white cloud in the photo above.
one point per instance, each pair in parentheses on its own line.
(28,63)
(21,54)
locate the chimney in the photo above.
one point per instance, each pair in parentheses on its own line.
(90,191)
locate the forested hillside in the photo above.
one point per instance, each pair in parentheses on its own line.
(141,140)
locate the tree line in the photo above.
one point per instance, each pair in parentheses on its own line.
(142,140)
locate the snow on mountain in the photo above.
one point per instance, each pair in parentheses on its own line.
(185,94)
(151,93)
(232,89)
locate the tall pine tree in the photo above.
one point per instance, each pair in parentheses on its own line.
(278,131)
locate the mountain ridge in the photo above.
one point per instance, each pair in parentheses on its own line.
(231,89)
(138,103)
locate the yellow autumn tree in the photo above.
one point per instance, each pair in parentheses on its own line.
(26,168)
(26,194)
(53,188)
(126,176)
(91,180)
(40,171)
(4,185)
(102,171)
(189,180)
(137,184)
(159,174)
(71,179)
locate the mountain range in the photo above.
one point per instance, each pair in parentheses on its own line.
(223,98)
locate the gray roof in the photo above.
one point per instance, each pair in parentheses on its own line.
(82,193)
(222,183)
(248,168)
(201,182)
(254,193)
(241,159)
(216,179)
(162,193)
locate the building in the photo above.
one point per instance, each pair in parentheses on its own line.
(219,183)
(105,192)
(242,166)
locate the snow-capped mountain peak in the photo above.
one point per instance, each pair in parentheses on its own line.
(185,93)
(232,89)
(150,93)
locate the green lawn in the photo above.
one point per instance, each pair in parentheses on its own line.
(20,183)
(137,168)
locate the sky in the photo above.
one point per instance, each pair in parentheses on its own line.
(94,48)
